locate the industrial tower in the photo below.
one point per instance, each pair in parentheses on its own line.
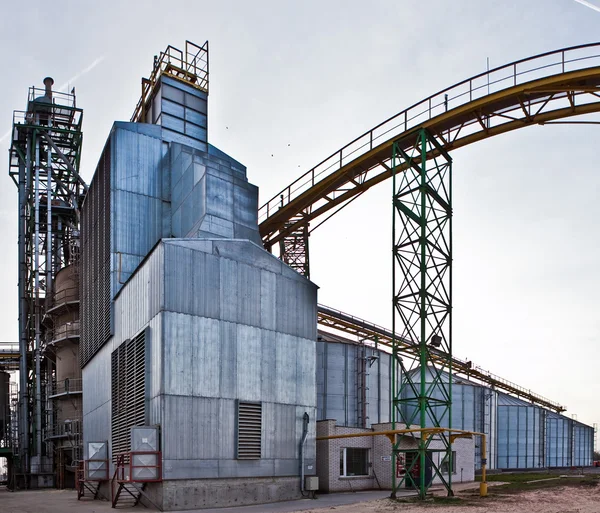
(44,163)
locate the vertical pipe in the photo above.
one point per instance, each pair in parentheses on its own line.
(483,484)
(422,341)
(450,492)
(24,171)
(394,344)
(49,238)
(38,405)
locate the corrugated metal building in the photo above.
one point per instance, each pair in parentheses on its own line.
(187,322)
(520,435)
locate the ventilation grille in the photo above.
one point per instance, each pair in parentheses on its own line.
(249,431)
(128,391)
(94,285)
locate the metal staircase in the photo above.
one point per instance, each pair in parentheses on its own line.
(133,471)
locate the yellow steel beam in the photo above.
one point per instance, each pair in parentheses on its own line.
(583,81)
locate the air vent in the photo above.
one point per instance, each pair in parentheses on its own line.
(128,391)
(249,431)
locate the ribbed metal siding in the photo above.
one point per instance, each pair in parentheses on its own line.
(559,441)
(128,391)
(339,384)
(520,437)
(95,262)
(249,431)
(583,445)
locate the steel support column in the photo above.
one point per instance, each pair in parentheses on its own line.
(422,309)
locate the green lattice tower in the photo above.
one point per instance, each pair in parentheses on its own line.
(422,288)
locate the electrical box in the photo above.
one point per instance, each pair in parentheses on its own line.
(311,483)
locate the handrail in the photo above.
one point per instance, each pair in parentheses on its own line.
(193,65)
(458,94)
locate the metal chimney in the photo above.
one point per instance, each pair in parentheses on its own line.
(48,82)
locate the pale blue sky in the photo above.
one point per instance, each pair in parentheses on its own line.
(314,75)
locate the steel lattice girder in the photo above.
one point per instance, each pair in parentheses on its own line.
(422,284)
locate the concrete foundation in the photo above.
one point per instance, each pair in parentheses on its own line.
(183,494)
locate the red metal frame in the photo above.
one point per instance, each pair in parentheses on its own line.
(86,470)
(122,465)
(82,478)
(121,477)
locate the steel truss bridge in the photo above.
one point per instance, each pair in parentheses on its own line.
(413,147)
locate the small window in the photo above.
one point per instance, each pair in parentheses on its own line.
(444,464)
(249,430)
(354,462)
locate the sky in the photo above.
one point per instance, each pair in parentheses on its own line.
(292,82)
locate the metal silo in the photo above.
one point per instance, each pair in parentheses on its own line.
(520,434)
(559,441)
(353,382)
(583,445)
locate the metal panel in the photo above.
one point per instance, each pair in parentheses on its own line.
(559,441)
(248,363)
(520,441)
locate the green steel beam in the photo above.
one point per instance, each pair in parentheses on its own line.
(422,310)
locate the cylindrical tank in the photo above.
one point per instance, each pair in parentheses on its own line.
(353,382)
(65,333)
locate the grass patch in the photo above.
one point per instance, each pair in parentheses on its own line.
(521,477)
(545,483)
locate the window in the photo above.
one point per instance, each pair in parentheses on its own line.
(249,430)
(444,464)
(354,462)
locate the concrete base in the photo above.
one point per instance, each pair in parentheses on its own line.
(185,494)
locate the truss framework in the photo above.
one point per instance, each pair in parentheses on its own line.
(422,305)
(44,163)
(293,248)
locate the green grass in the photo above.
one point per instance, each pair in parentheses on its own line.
(521,477)
(523,482)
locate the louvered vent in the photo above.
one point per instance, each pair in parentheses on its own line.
(249,430)
(128,391)
(94,286)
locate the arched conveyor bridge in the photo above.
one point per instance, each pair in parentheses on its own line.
(536,90)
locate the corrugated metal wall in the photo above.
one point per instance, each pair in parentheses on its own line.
(340,382)
(583,445)
(520,441)
(559,441)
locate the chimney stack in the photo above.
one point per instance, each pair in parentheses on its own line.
(48,82)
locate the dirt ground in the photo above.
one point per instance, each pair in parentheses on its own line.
(555,499)
(567,499)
